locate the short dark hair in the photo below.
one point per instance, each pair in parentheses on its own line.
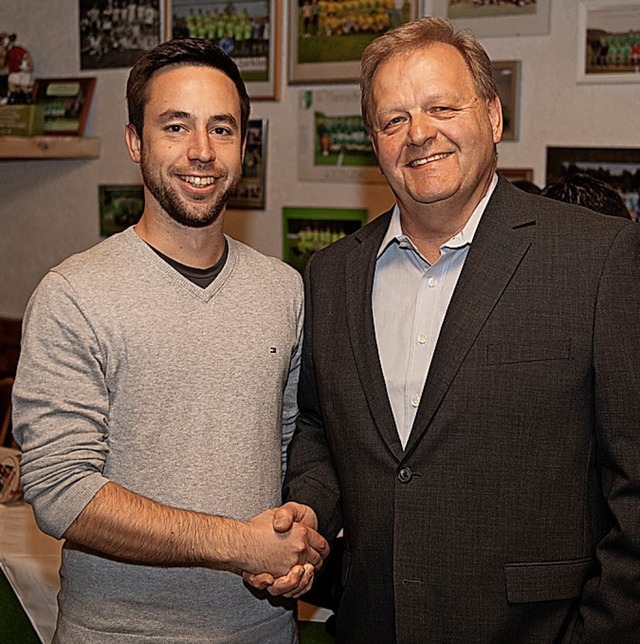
(587,191)
(186,51)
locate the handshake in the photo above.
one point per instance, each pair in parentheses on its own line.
(283,550)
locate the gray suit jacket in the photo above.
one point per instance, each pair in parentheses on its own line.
(513,514)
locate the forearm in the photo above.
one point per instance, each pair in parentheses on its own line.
(609,608)
(122,524)
(119,523)
(311,477)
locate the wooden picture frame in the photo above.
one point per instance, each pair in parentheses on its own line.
(619,167)
(251,36)
(495,19)
(325,47)
(307,230)
(121,206)
(517,174)
(506,73)
(66,103)
(251,191)
(333,145)
(115,34)
(608,41)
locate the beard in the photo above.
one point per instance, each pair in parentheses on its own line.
(176,208)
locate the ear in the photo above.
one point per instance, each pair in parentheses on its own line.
(374,143)
(494,107)
(243,148)
(134,144)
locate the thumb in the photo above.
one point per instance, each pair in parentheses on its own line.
(284,517)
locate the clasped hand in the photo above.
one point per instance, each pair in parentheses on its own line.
(291,550)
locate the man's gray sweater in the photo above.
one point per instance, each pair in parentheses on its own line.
(130,373)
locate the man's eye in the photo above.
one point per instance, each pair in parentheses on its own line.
(174,127)
(221,131)
(393,121)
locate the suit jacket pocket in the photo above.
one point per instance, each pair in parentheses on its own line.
(531,351)
(546,581)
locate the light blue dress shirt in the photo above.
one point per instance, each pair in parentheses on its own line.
(410,299)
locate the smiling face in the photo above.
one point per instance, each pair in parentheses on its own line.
(190,152)
(433,134)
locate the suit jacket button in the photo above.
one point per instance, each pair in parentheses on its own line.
(405,474)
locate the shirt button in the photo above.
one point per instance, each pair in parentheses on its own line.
(432,281)
(422,339)
(405,474)
(415,401)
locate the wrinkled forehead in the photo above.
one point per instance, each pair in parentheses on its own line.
(434,68)
(445,56)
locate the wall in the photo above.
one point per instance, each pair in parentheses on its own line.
(49,209)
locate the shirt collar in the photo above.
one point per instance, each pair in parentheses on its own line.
(463,238)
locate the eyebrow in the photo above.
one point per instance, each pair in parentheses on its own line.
(229,119)
(170,115)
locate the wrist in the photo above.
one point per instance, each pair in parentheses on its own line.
(237,544)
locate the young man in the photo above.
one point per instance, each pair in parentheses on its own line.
(465,409)
(155,394)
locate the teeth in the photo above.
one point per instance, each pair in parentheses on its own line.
(198,181)
(435,157)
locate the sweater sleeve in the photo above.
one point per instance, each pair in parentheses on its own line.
(289,399)
(60,406)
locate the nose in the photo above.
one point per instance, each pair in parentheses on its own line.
(420,130)
(201,147)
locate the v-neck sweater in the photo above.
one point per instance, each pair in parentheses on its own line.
(131,373)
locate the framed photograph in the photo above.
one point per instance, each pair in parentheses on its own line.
(247,30)
(66,103)
(116,34)
(487,18)
(120,207)
(506,73)
(517,174)
(307,230)
(251,189)
(333,145)
(327,38)
(608,41)
(619,167)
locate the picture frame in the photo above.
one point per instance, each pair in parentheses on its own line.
(619,167)
(507,74)
(120,207)
(307,230)
(486,21)
(251,191)
(608,41)
(319,49)
(517,174)
(66,103)
(114,35)
(251,36)
(333,145)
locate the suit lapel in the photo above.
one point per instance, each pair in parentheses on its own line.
(360,272)
(495,253)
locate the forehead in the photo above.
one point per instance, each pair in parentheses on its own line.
(192,88)
(436,66)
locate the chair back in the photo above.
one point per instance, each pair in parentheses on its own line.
(6,385)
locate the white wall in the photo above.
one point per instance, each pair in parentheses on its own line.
(49,209)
